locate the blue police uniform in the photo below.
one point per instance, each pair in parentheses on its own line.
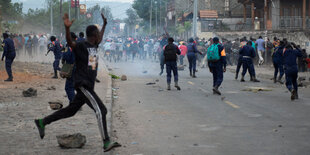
(191,56)
(9,54)
(217,67)
(57,54)
(277,59)
(170,54)
(80,39)
(248,53)
(290,68)
(69,58)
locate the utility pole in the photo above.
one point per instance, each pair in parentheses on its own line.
(151,17)
(75,7)
(69,2)
(156,16)
(195,18)
(60,18)
(160,16)
(51,5)
(266,31)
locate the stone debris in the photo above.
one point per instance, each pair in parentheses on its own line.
(76,140)
(30,92)
(123,77)
(256,89)
(144,72)
(55,105)
(51,88)
(150,83)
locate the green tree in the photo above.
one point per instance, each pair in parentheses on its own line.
(131,21)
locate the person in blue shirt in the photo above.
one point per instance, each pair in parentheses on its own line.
(290,54)
(248,53)
(191,56)
(56,49)
(69,58)
(9,55)
(81,37)
(217,68)
(277,59)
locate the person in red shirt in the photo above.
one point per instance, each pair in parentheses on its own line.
(183,49)
(308,62)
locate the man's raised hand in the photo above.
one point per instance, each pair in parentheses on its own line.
(105,22)
(66,20)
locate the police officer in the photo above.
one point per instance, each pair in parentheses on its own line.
(243,42)
(170,54)
(277,59)
(69,58)
(248,53)
(217,67)
(9,54)
(291,69)
(191,56)
(57,53)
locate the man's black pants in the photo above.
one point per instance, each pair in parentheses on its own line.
(92,100)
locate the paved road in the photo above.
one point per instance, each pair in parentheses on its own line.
(148,119)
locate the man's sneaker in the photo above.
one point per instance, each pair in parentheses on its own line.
(293,95)
(178,87)
(242,80)
(216,91)
(8,80)
(236,77)
(110,145)
(40,127)
(98,81)
(168,87)
(161,72)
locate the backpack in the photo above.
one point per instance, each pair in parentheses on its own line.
(170,52)
(213,53)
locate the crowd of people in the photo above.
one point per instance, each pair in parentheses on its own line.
(80,55)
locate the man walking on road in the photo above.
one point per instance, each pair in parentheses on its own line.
(291,69)
(260,49)
(217,63)
(85,75)
(9,54)
(277,58)
(170,55)
(248,53)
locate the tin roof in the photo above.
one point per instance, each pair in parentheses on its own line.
(208,14)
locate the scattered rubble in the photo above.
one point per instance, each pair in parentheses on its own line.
(51,88)
(76,140)
(144,72)
(30,92)
(256,89)
(150,83)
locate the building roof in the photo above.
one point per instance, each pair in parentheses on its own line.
(208,14)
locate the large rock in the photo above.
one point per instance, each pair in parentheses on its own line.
(76,140)
(55,105)
(30,92)
(124,78)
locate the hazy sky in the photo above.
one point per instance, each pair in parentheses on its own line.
(118,7)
